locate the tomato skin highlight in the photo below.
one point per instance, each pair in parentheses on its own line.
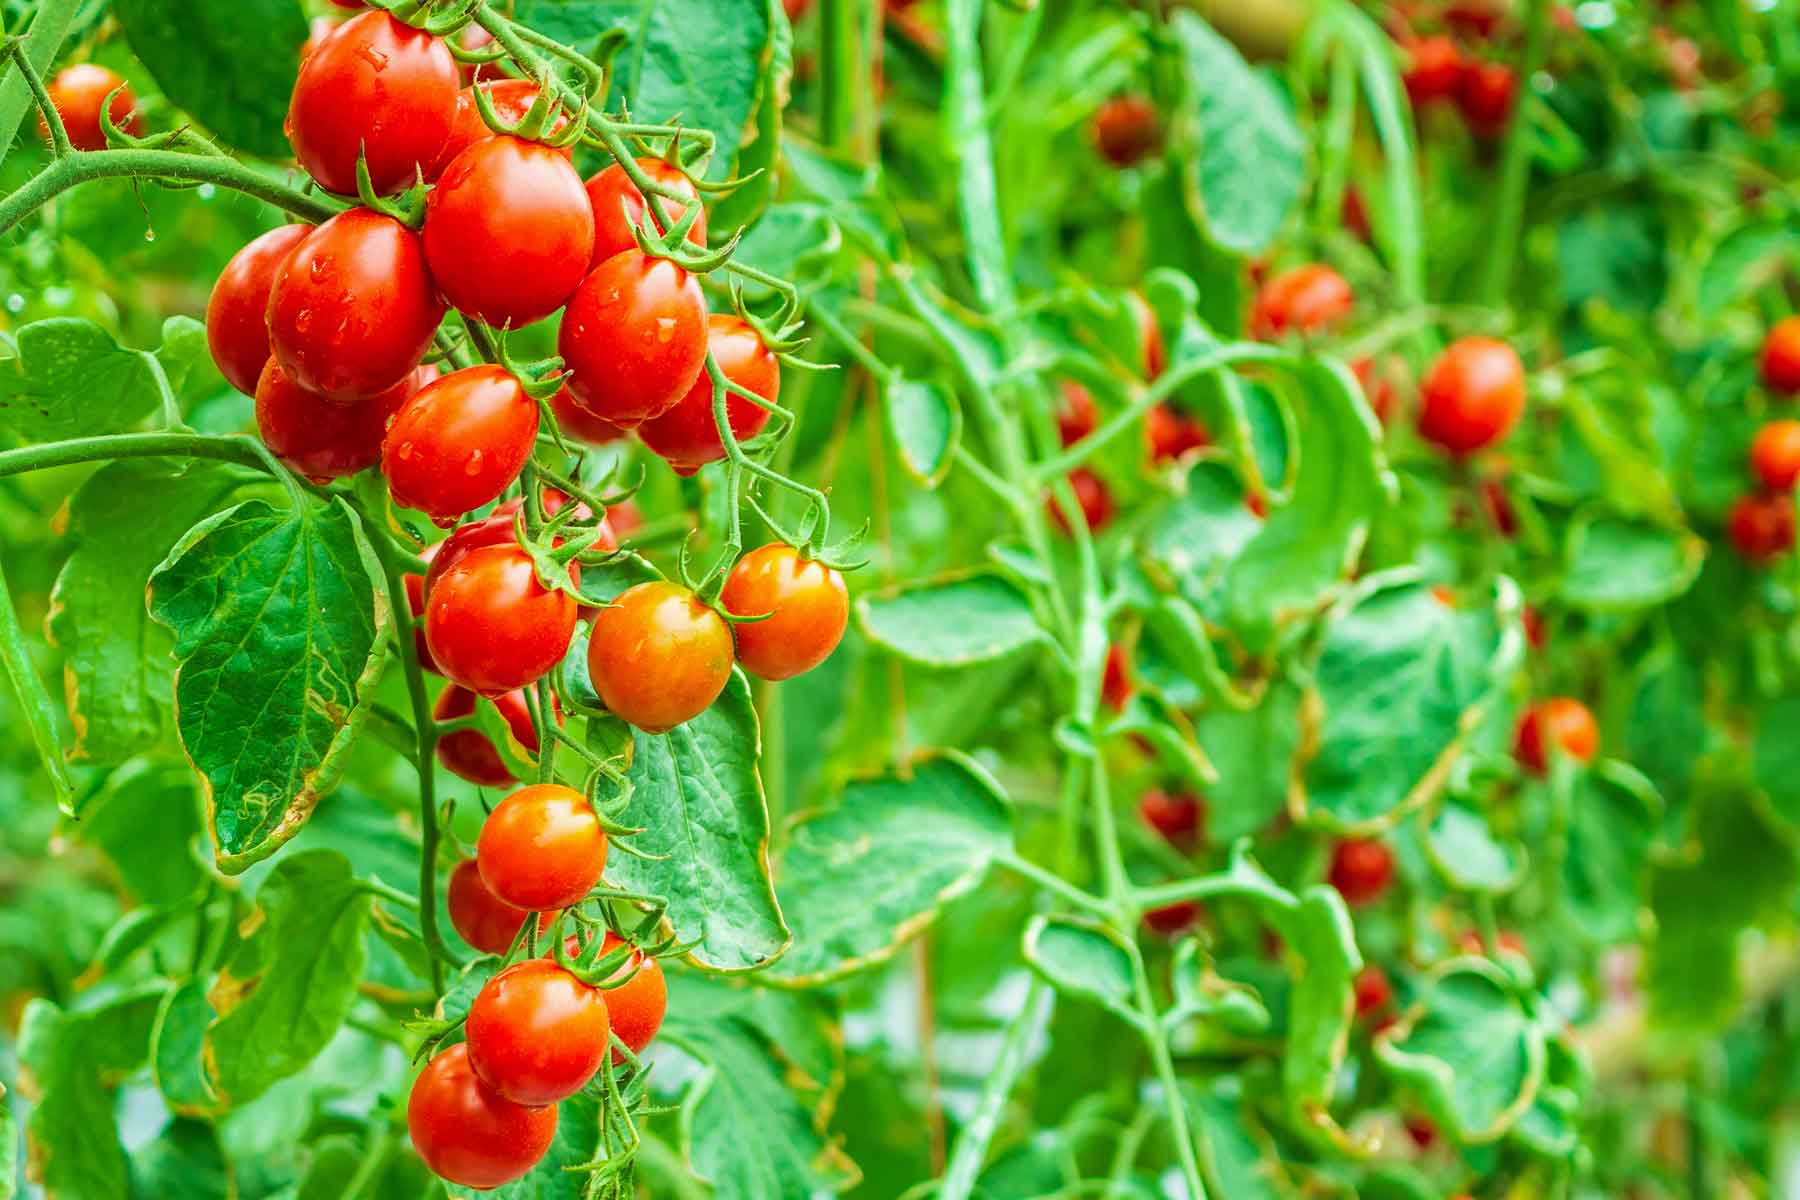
(508,231)
(77,92)
(536,1034)
(1361,869)
(1472,396)
(492,626)
(380,87)
(460,442)
(1126,130)
(237,312)
(1775,455)
(352,308)
(688,435)
(468,1133)
(541,848)
(1307,299)
(469,753)
(321,440)
(1761,525)
(481,918)
(658,657)
(1562,721)
(637,1006)
(1781,356)
(809,603)
(618,207)
(633,337)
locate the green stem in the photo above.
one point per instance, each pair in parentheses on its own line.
(972,1143)
(34,700)
(840,61)
(1509,200)
(49,26)
(225,448)
(374,1162)
(1164,1065)
(1026,869)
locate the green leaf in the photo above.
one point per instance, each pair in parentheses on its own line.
(176,1044)
(859,879)
(1320,1006)
(1551,1127)
(185,1160)
(145,822)
(697,797)
(1610,565)
(1469,1049)
(926,423)
(287,988)
(1083,958)
(951,622)
(9,1149)
(231,66)
(1744,258)
(1612,823)
(1776,760)
(1468,854)
(1200,533)
(279,627)
(1613,254)
(1251,153)
(1238,1158)
(116,669)
(65,377)
(761,149)
(1254,749)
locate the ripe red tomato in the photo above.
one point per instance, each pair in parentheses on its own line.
(1762,525)
(481,918)
(658,657)
(619,207)
(1172,435)
(1560,721)
(1775,455)
(578,423)
(460,442)
(1171,919)
(415,603)
(1307,299)
(1433,71)
(537,1034)
(1781,355)
(317,30)
(1126,130)
(633,338)
(352,307)
(379,87)
(1361,869)
(1078,416)
(492,626)
(1485,94)
(497,529)
(468,1133)
(809,605)
(508,231)
(1177,816)
(237,312)
(542,848)
(637,1005)
(688,435)
(511,100)
(1094,497)
(1116,687)
(1472,395)
(321,440)
(1373,992)
(468,753)
(77,93)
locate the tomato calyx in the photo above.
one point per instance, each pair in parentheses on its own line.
(406,207)
(541,123)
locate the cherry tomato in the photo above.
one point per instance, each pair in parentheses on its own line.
(1373,992)
(415,603)
(1171,919)
(379,87)
(237,312)
(1775,455)
(482,919)
(468,1133)
(508,231)
(1126,130)
(474,37)
(619,207)
(1361,869)
(1094,498)
(542,848)
(633,338)
(658,657)
(1177,816)
(1781,355)
(1116,687)
(577,422)
(1561,721)
(511,100)
(1422,1131)
(688,435)
(809,608)
(1307,299)
(468,753)
(1434,69)
(352,307)
(317,30)
(1533,622)
(1078,416)
(460,442)
(1153,356)
(1762,525)
(77,93)
(321,440)
(1172,435)
(637,1005)
(536,1034)
(1498,506)
(492,626)
(1356,214)
(1485,94)
(1472,396)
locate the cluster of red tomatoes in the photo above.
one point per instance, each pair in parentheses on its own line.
(1761,523)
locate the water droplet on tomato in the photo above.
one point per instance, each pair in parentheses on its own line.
(303,320)
(319,269)
(405,453)
(373,57)
(665,328)
(473,467)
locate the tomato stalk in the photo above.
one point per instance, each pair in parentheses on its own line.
(50,23)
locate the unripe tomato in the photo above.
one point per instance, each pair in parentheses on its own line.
(658,657)
(77,94)
(1775,455)
(492,626)
(1762,525)
(1091,494)
(619,207)
(1177,816)
(1560,721)
(482,919)
(1172,435)
(1171,919)
(688,435)
(321,440)
(468,1133)
(1126,130)
(808,606)
(1781,355)
(1361,869)
(542,848)
(537,1034)
(1485,94)
(237,312)
(379,87)
(1116,687)
(508,231)
(1373,992)
(1307,299)
(637,1005)
(511,100)
(352,307)
(460,442)
(633,338)
(1472,395)
(468,753)
(578,423)
(1078,416)
(1433,71)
